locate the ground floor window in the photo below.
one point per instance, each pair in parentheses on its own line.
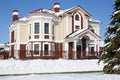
(46,49)
(36,49)
(53,49)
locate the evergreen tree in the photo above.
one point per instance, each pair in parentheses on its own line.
(111,55)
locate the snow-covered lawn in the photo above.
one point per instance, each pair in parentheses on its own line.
(12,66)
(80,76)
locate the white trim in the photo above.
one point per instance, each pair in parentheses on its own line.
(41,17)
(77,23)
(18,34)
(30,29)
(67,27)
(75,49)
(66,49)
(33,28)
(49,27)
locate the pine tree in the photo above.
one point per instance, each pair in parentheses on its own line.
(111,55)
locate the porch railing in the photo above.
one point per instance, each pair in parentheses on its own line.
(65,54)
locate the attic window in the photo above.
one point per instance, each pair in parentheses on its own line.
(77,17)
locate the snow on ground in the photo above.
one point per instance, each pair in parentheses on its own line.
(73,76)
(12,66)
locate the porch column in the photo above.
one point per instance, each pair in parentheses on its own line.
(65,54)
(87,48)
(74,53)
(96,47)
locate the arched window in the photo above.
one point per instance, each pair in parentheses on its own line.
(77,17)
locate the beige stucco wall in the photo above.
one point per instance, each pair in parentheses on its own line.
(24,33)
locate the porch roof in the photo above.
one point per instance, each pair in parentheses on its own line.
(81,33)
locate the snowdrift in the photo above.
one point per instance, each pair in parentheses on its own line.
(13,67)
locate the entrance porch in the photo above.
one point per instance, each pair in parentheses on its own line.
(83,45)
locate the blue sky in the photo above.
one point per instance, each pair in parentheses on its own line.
(99,9)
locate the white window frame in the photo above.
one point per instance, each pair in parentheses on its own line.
(77,22)
(48,49)
(33,27)
(39,48)
(49,27)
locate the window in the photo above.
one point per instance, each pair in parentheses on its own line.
(53,49)
(36,27)
(46,49)
(30,29)
(77,27)
(46,28)
(77,17)
(53,31)
(36,48)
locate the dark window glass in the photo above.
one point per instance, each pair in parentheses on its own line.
(46,28)
(37,27)
(46,49)
(53,31)
(36,48)
(77,17)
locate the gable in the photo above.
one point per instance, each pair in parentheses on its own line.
(82,33)
(77,9)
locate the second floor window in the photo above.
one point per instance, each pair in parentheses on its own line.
(46,28)
(53,31)
(37,26)
(77,17)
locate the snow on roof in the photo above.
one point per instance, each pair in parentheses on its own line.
(76,32)
(101,44)
(93,20)
(81,32)
(23,19)
(51,11)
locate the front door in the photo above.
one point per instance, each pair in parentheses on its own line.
(78,51)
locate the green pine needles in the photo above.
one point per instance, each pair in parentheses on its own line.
(111,55)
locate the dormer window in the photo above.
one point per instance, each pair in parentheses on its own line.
(77,17)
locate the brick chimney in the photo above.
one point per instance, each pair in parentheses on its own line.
(15,15)
(56,7)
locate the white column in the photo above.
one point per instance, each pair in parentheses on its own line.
(75,55)
(66,51)
(95,46)
(67,25)
(87,42)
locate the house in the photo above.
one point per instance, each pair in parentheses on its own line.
(4,51)
(54,33)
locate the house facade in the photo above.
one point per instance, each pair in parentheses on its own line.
(54,33)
